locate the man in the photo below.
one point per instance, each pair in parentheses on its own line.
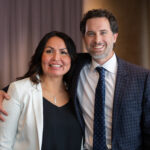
(127,87)
(127,97)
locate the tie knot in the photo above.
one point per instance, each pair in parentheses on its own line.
(101,71)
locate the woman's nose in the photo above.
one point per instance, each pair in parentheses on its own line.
(56,56)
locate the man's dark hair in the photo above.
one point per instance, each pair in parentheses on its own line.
(95,13)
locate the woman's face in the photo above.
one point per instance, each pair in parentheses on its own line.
(56,60)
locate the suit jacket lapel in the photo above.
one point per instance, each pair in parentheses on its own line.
(38,111)
(121,82)
(81,60)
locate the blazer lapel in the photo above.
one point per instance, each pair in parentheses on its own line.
(38,111)
(121,82)
(81,60)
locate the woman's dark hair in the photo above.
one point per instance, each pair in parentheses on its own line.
(35,67)
(95,13)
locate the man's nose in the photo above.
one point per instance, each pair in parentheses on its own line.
(97,39)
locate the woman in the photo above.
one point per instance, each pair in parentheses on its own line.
(41,115)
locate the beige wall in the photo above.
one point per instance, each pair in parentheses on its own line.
(133,16)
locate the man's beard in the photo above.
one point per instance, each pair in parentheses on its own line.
(101,56)
(98,56)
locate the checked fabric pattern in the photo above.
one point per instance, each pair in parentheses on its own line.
(99,138)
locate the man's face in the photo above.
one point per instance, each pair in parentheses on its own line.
(99,39)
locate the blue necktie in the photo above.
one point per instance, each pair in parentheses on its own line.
(99,137)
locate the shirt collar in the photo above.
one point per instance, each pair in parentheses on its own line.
(110,65)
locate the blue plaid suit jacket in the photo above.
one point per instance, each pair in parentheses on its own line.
(131,108)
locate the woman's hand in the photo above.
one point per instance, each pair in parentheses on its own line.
(3,96)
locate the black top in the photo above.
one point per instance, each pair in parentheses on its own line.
(61,129)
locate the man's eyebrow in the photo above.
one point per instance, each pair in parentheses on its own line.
(103,30)
(90,31)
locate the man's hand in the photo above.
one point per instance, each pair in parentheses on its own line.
(3,96)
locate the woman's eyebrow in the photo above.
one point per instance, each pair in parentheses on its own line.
(63,48)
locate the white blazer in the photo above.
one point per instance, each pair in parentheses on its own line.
(23,127)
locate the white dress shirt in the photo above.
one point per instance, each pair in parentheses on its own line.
(86,94)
